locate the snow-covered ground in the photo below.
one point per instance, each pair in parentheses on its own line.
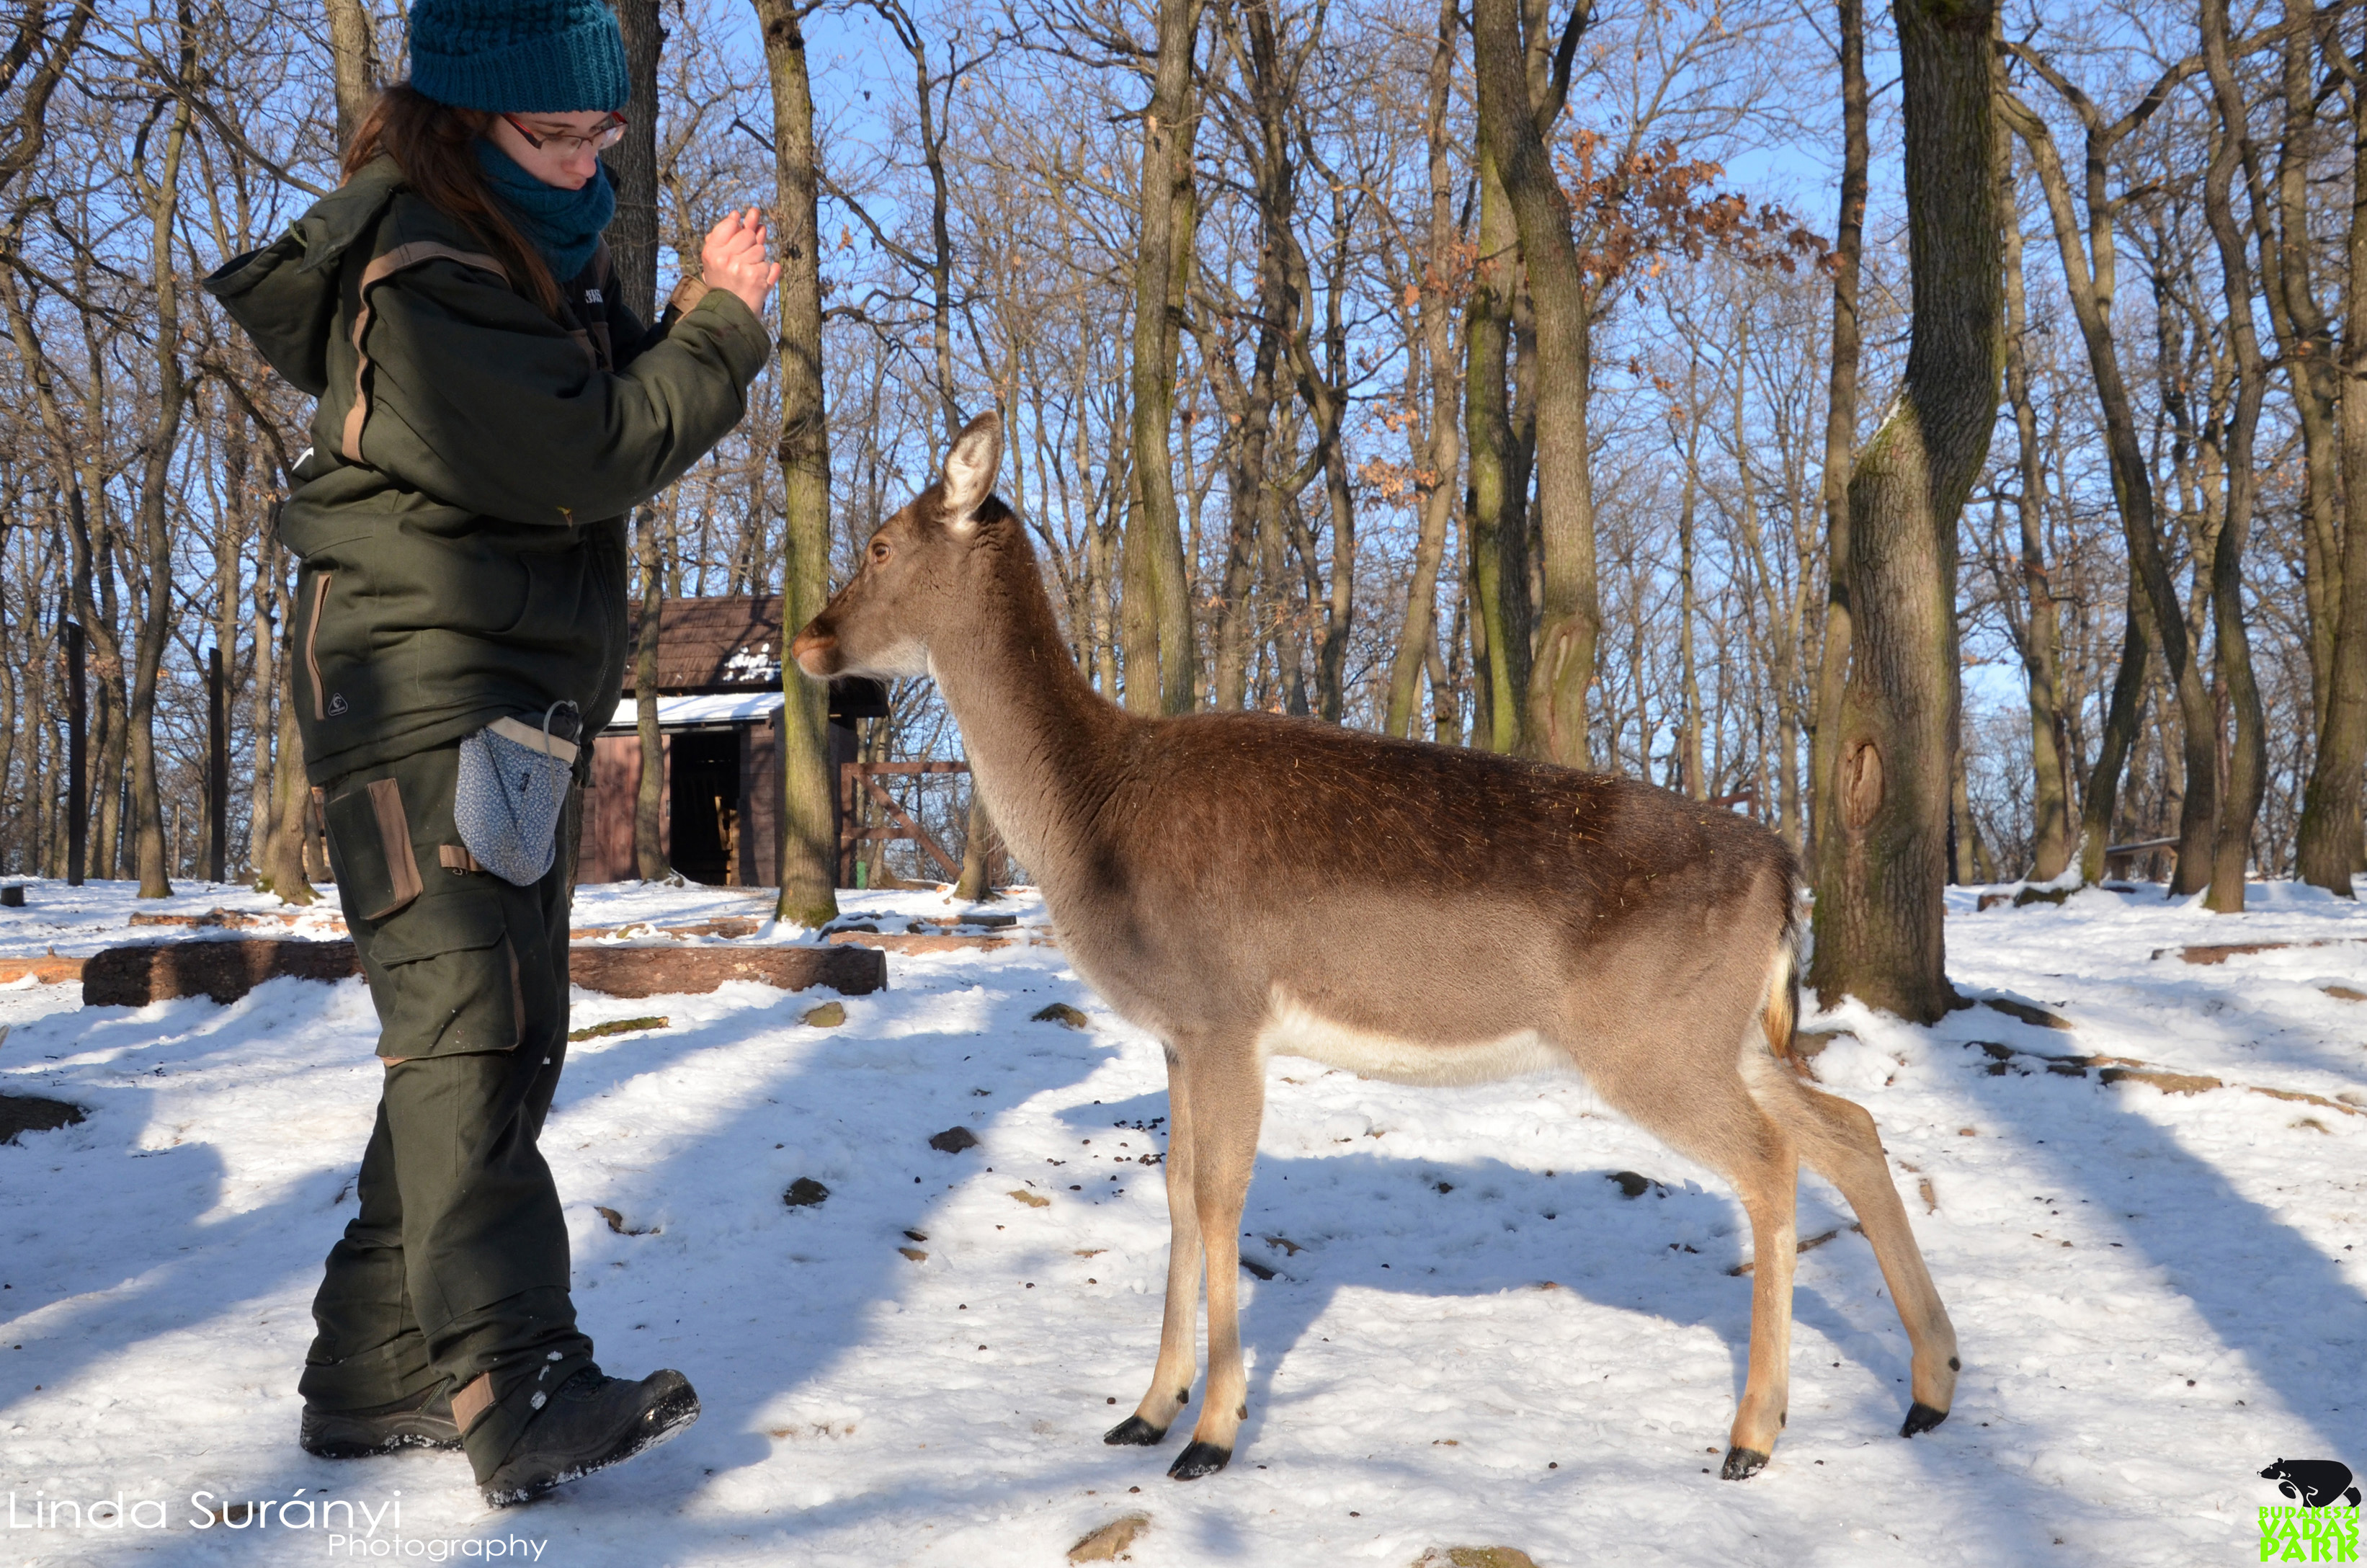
(1471,1337)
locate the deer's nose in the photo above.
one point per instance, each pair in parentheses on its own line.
(811,647)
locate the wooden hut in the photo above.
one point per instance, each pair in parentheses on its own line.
(720,707)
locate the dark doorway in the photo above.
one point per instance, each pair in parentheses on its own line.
(706,817)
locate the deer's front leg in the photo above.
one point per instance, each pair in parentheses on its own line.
(1170,1381)
(1228,1098)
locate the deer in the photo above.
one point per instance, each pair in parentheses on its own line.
(1246,884)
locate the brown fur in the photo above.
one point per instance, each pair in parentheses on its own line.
(1241,882)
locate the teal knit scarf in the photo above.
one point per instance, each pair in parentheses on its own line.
(564,225)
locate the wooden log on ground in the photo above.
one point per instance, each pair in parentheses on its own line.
(894,942)
(50,971)
(727,925)
(619,971)
(237,919)
(2220,952)
(31,1113)
(226,971)
(162,971)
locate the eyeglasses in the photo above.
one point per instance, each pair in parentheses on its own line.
(567,143)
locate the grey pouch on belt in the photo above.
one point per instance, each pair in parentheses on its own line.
(513,786)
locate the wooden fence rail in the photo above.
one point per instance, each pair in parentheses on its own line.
(859,779)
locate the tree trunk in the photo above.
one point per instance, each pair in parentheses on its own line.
(632,162)
(2329,853)
(1446,679)
(283,852)
(1783,642)
(20,845)
(1689,728)
(633,240)
(649,793)
(1495,509)
(2088,275)
(1101,530)
(1252,413)
(1961,856)
(2247,758)
(2050,839)
(809,849)
(1438,464)
(111,733)
(1880,906)
(231,535)
(260,694)
(1325,391)
(1841,433)
(1570,622)
(162,198)
(353,59)
(1340,602)
(67,474)
(2123,714)
(77,804)
(981,854)
(1161,674)
(2306,341)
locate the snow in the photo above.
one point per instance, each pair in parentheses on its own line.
(712,707)
(1471,1338)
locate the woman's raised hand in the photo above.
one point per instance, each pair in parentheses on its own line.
(734,258)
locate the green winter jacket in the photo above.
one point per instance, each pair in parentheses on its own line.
(460,515)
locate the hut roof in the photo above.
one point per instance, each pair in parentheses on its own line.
(733,643)
(730,643)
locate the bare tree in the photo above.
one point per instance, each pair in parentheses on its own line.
(1878,916)
(2051,844)
(808,855)
(2330,850)
(1161,665)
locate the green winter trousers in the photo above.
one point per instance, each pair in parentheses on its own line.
(455,1271)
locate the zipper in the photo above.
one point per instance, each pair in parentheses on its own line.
(311,656)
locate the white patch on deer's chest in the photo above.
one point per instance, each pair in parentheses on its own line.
(1292,1028)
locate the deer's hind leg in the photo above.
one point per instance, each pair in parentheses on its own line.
(1838,1139)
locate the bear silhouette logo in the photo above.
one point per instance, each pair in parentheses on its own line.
(2314,1484)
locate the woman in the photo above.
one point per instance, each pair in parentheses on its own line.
(489,412)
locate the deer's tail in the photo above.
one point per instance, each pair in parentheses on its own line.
(1779,1012)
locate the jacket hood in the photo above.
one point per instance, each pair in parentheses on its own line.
(285,295)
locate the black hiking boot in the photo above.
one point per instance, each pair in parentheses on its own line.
(591,1423)
(422,1421)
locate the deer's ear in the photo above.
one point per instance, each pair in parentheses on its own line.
(970,469)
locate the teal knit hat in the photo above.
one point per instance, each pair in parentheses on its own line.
(518,56)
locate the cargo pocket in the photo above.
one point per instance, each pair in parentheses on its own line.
(445,978)
(370,842)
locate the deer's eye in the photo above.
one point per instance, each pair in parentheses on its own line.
(879,549)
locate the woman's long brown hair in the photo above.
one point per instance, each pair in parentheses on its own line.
(435,145)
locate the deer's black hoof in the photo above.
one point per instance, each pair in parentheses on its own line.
(1198,1460)
(1921,1417)
(1741,1464)
(1134,1432)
